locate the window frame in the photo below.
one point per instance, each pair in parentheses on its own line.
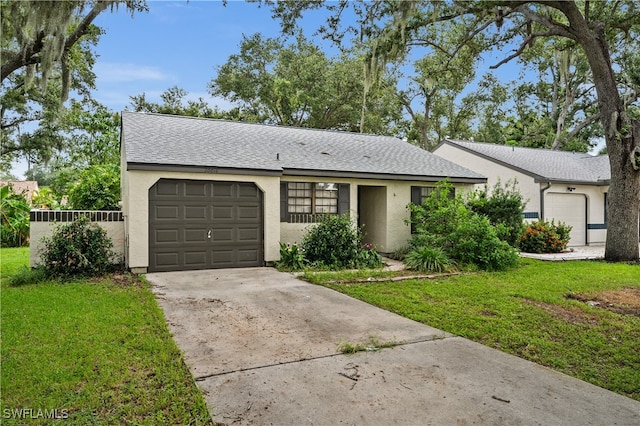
(418,198)
(340,205)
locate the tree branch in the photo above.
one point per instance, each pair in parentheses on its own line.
(29,56)
(82,28)
(582,125)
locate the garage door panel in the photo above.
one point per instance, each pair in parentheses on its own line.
(196,258)
(204,224)
(163,212)
(248,212)
(248,191)
(222,189)
(197,235)
(195,189)
(198,212)
(222,235)
(166,260)
(167,188)
(166,236)
(222,212)
(249,234)
(222,258)
(247,255)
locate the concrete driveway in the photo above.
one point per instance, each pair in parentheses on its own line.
(263,347)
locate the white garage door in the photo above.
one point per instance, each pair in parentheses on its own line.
(570,209)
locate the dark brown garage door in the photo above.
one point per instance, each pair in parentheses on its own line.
(204,225)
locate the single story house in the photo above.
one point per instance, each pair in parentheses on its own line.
(201,193)
(565,186)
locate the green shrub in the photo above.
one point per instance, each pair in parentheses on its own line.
(26,275)
(465,236)
(503,206)
(400,253)
(336,243)
(97,188)
(545,237)
(291,257)
(368,257)
(429,259)
(14,211)
(78,248)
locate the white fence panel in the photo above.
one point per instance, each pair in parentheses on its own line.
(44,222)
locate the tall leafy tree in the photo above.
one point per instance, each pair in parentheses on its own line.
(174,102)
(440,76)
(595,27)
(563,98)
(298,85)
(92,133)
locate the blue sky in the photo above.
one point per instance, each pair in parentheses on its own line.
(180,43)
(176,43)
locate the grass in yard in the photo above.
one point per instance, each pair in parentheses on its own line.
(97,351)
(12,260)
(537,311)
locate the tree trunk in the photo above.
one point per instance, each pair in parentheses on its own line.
(623,199)
(622,136)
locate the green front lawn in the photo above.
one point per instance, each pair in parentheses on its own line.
(537,311)
(91,351)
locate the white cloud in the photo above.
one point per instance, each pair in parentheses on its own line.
(116,72)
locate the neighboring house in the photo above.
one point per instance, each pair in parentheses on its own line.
(200,193)
(565,186)
(28,188)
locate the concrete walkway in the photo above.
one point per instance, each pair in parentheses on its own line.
(573,253)
(263,347)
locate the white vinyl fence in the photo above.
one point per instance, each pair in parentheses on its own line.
(44,222)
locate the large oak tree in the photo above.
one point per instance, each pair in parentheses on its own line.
(595,27)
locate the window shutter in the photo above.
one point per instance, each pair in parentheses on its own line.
(344,202)
(283,202)
(415,199)
(415,195)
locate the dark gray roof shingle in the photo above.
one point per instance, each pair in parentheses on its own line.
(544,164)
(157,139)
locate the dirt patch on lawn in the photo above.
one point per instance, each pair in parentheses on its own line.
(624,301)
(572,315)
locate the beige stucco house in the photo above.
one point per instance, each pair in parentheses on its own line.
(564,186)
(200,193)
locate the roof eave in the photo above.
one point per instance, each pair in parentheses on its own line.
(202,169)
(381,176)
(599,182)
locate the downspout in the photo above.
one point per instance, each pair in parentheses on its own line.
(542,191)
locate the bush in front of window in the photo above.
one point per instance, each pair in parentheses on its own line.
(336,243)
(503,206)
(466,237)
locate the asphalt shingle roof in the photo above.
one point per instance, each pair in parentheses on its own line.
(544,164)
(157,139)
